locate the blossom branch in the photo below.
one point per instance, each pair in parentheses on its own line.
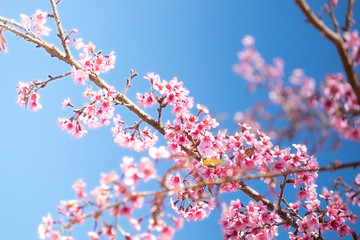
(55,52)
(337,40)
(189,144)
(27,36)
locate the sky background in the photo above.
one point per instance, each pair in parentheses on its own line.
(196,41)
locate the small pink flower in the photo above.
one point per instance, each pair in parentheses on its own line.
(167,233)
(308,224)
(107,178)
(334,3)
(178,222)
(66,103)
(35,106)
(41,30)
(39,17)
(248,41)
(79,76)
(357,179)
(89,48)
(202,109)
(175,181)
(160,152)
(146,99)
(147,168)
(135,223)
(79,186)
(25,20)
(147,236)
(326,194)
(78,43)
(344,231)
(93,235)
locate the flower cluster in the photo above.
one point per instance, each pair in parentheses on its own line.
(207,160)
(28,96)
(172,93)
(91,62)
(133,137)
(253,67)
(337,213)
(299,100)
(114,196)
(251,221)
(353,193)
(204,161)
(37,21)
(353,44)
(341,106)
(95,114)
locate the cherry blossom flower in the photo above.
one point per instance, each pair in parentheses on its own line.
(93,235)
(158,153)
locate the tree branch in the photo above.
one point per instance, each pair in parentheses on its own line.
(60,29)
(337,40)
(349,16)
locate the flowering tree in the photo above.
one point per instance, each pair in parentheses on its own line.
(204,162)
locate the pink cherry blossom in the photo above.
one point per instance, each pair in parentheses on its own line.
(334,3)
(147,168)
(158,153)
(79,186)
(248,41)
(93,235)
(26,21)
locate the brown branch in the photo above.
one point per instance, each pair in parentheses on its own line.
(349,16)
(42,84)
(329,10)
(133,74)
(26,36)
(60,29)
(282,188)
(337,40)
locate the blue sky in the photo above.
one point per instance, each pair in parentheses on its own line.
(196,41)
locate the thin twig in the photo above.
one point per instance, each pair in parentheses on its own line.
(133,74)
(329,10)
(282,187)
(349,16)
(60,29)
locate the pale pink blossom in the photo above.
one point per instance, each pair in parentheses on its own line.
(66,103)
(334,3)
(79,186)
(110,177)
(135,223)
(357,179)
(248,41)
(147,169)
(25,20)
(78,43)
(93,235)
(167,233)
(158,153)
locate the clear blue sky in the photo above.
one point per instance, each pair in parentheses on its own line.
(196,41)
